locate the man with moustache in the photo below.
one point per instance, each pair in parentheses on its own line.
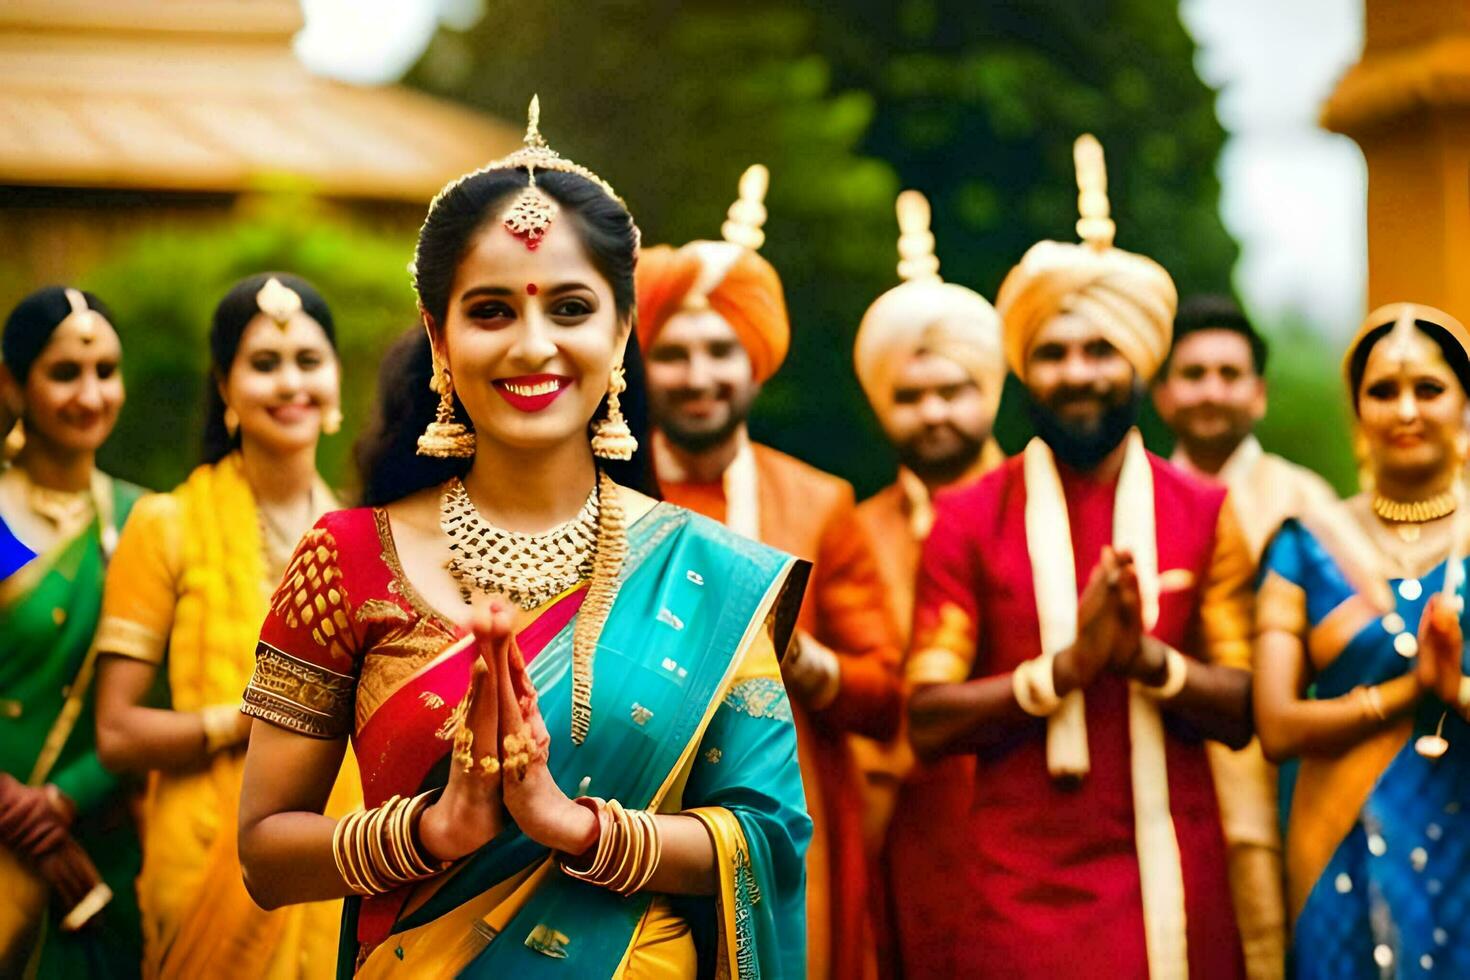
(1095,841)
(712,321)
(928,356)
(1211,393)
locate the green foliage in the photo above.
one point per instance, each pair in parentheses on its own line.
(975,104)
(163,288)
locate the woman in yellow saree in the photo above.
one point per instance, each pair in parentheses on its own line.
(68,846)
(186,594)
(596,776)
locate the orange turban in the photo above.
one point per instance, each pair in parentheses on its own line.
(732,280)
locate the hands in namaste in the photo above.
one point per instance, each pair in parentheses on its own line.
(499,763)
(1110,632)
(1441,642)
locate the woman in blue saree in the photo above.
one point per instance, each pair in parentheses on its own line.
(1359,673)
(68,847)
(592,773)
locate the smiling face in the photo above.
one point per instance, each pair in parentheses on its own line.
(530,336)
(1211,395)
(1076,373)
(281,382)
(700,384)
(1411,410)
(74,391)
(939,418)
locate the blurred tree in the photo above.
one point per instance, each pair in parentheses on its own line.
(975,104)
(163,288)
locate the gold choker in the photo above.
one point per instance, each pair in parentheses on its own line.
(1414,511)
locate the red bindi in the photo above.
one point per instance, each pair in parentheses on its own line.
(531,289)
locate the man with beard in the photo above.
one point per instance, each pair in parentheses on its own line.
(1211,393)
(1095,845)
(712,321)
(928,356)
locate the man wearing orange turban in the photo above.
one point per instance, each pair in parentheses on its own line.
(712,322)
(1081,627)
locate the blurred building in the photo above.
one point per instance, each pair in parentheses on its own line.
(1407,104)
(120,114)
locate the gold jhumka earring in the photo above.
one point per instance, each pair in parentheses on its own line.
(611,438)
(332,421)
(445,437)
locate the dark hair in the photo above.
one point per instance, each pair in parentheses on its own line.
(605,227)
(1454,354)
(231,317)
(1211,311)
(389,466)
(30,325)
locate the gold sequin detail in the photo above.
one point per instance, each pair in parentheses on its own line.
(312,593)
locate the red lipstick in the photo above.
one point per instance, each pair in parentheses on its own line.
(532,392)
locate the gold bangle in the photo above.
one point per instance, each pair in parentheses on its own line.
(652,854)
(1176,675)
(632,856)
(1370,702)
(1034,686)
(219,721)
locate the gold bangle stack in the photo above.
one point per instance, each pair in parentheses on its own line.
(628,849)
(375,849)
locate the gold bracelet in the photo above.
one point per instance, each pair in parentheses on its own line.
(1034,686)
(219,722)
(375,851)
(1176,674)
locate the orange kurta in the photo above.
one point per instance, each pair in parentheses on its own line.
(811,514)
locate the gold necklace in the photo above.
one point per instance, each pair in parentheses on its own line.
(1409,514)
(529,569)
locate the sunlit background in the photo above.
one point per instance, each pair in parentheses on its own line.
(1208,112)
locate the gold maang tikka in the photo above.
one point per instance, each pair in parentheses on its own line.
(532,212)
(84,316)
(278,301)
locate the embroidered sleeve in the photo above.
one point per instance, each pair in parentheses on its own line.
(306,663)
(141,591)
(1227,601)
(946,613)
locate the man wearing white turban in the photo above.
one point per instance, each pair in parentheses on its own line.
(929,359)
(1094,830)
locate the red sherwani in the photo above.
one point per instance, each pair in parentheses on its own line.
(809,514)
(1048,882)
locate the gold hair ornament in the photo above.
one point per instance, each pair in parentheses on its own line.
(1399,344)
(747,216)
(86,318)
(1095,226)
(916,258)
(278,301)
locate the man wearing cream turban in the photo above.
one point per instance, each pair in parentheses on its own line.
(1082,626)
(712,322)
(929,359)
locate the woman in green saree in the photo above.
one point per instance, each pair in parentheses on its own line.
(68,848)
(595,774)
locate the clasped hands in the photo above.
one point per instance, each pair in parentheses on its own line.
(498,769)
(1441,649)
(35,824)
(1110,633)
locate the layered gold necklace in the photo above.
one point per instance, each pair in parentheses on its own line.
(1407,515)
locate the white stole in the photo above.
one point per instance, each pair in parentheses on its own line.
(1054,578)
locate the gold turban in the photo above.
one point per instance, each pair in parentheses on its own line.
(1129,297)
(925,313)
(728,277)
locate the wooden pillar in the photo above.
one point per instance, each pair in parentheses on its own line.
(1407,104)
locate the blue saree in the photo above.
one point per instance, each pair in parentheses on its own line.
(1378,838)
